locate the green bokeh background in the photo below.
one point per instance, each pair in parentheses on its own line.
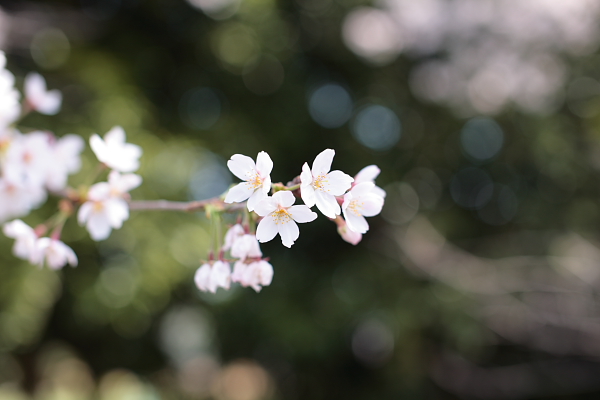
(338,321)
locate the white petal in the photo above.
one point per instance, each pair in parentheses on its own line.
(306,176)
(371,205)
(116,211)
(265,207)
(221,274)
(362,189)
(98,147)
(367,174)
(327,204)
(84,212)
(266,186)
(308,195)
(98,226)
(289,232)
(50,103)
(242,166)
(240,192)
(266,272)
(202,276)
(378,191)
(322,163)
(284,198)
(239,270)
(355,222)
(266,230)
(115,137)
(264,164)
(337,183)
(302,213)
(255,199)
(234,233)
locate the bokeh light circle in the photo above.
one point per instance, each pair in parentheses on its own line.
(377,127)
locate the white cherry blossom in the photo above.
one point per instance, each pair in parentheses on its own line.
(25,238)
(53,253)
(320,186)
(210,277)
(280,216)
(246,246)
(106,208)
(368,174)
(361,202)
(256,177)
(114,152)
(39,98)
(255,274)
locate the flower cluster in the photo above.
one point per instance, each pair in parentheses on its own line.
(36,165)
(332,192)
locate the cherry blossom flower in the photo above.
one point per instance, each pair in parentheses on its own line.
(38,98)
(349,235)
(319,186)
(54,253)
(25,238)
(106,208)
(368,174)
(232,235)
(114,152)
(361,202)
(210,277)
(246,246)
(257,179)
(280,216)
(255,274)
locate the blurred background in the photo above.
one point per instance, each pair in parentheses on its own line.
(479,280)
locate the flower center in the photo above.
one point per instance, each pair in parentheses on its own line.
(319,183)
(256,182)
(355,206)
(281,216)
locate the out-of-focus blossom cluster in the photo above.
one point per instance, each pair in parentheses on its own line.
(37,163)
(496,52)
(332,192)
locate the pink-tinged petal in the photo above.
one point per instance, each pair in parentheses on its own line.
(371,205)
(264,164)
(302,213)
(221,274)
(239,270)
(99,191)
(242,166)
(289,232)
(16,228)
(50,103)
(234,233)
(255,199)
(322,163)
(349,235)
(240,192)
(265,272)
(356,222)
(246,246)
(84,212)
(367,174)
(115,137)
(306,176)
(284,198)
(202,277)
(362,189)
(337,183)
(327,204)
(35,85)
(266,230)
(265,207)
(98,227)
(308,195)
